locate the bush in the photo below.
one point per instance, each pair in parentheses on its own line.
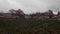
(28,27)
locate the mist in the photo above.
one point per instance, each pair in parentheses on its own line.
(30,6)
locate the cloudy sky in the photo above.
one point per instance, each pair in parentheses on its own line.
(30,6)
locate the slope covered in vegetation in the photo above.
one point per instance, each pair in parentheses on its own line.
(29,27)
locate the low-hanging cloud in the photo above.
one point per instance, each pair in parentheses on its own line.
(30,6)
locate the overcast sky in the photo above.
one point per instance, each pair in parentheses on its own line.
(30,6)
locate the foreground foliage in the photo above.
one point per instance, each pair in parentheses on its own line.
(29,27)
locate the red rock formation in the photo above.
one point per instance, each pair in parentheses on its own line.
(20,12)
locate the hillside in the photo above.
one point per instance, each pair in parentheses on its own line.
(29,27)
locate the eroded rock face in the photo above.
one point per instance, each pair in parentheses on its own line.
(59,13)
(37,16)
(49,13)
(19,12)
(42,16)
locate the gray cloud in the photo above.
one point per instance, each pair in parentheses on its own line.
(30,6)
